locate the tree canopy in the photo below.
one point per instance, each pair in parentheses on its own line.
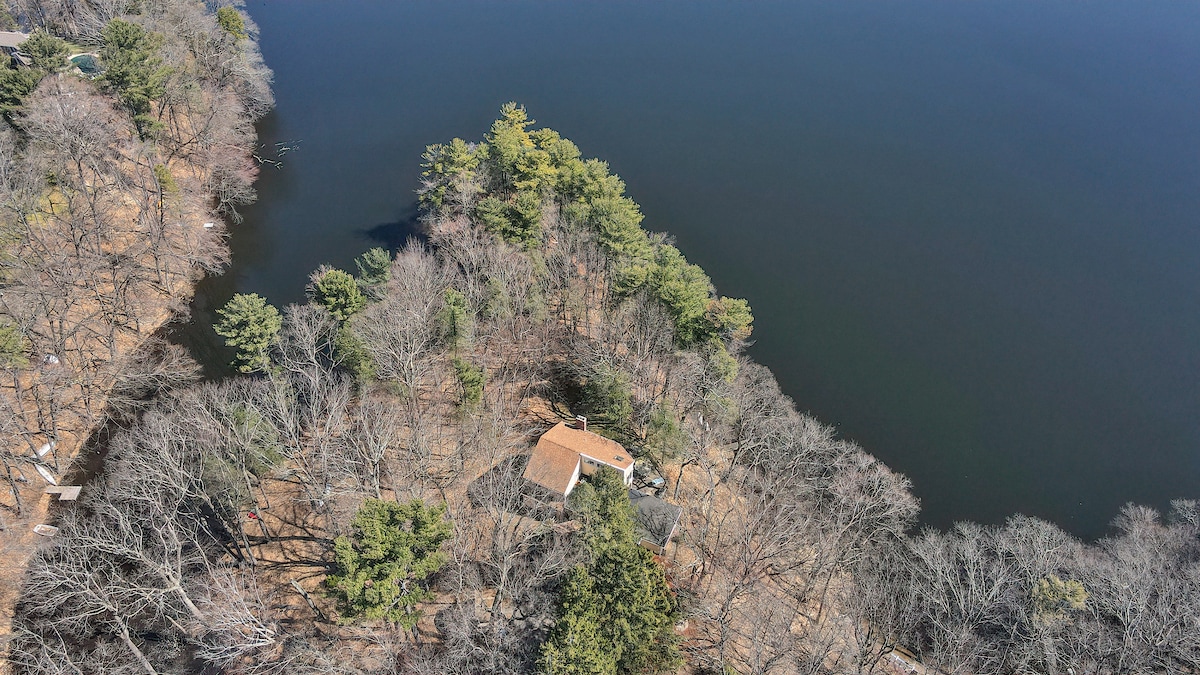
(230,20)
(470,381)
(374,267)
(1053,598)
(383,564)
(607,398)
(455,318)
(133,68)
(526,169)
(14,346)
(446,170)
(46,52)
(577,645)
(337,292)
(249,325)
(15,85)
(621,594)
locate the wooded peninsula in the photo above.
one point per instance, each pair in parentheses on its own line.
(529,441)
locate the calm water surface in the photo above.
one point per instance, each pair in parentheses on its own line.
(969,230)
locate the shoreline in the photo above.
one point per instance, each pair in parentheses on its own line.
(163,223)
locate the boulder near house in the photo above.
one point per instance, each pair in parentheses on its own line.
(566,452)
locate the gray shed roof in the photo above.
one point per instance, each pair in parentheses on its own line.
(656,519)
(11,39)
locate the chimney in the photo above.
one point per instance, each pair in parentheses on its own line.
(581,422)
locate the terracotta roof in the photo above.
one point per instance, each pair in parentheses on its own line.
(587,443)
(552,466)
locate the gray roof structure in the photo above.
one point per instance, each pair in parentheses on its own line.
(656,519)
(11,39)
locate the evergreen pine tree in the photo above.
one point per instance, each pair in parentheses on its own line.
(338,292)
(249,325)
(394,548)
(575,645)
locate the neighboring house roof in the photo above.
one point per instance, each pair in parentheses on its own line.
(656,519)
(11,39)
(586,443)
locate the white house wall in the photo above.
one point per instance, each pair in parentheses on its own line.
(590,464)
(574,479)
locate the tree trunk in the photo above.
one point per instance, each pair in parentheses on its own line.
(136,652)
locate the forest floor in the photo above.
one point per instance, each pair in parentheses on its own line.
(80,380)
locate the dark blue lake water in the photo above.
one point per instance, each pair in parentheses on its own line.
(969,230)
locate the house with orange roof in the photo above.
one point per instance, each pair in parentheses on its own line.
(566,452)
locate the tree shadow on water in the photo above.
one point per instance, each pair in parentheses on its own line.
(393,235)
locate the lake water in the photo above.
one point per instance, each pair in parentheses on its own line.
(969,230)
